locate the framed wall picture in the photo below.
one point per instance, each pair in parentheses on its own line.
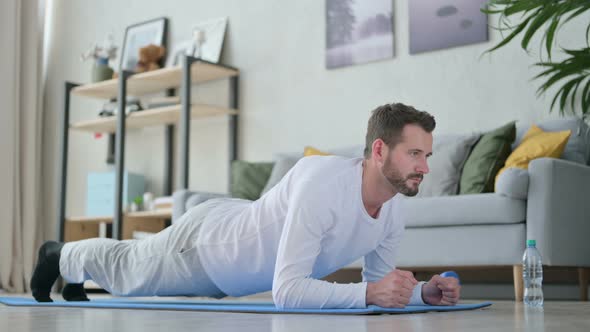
(358,32)
(436,25)
(139,35)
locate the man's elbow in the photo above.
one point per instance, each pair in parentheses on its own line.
(279,298)
(282,297)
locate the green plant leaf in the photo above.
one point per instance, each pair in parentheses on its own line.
(514,33)
(540,17)
(545,18)
(550,35)
(584,7)
(586,97)
(520,6)
(566,88)
(575,92)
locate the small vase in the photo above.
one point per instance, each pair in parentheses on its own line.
(101,71)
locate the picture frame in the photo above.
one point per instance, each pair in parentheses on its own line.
(173,57)
(436,25)
(213,32)
(141,34)
(358,32)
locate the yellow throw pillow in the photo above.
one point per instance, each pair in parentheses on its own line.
(311,151)
(536,143)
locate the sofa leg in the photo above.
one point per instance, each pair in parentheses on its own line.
(583,275)
(518,284)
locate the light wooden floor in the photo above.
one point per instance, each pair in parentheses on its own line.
(501,316)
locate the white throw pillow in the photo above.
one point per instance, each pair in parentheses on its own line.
(449,153)
(280,168)
(285,161)
(513,183)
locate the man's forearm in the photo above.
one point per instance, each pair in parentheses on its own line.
(313,293)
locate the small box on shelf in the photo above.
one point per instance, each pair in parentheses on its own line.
(100,197)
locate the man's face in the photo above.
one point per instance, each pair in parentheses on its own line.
(405,164)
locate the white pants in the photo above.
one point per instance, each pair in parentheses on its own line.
(163,264)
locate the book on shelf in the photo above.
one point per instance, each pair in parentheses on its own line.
(164,202)
(156,102)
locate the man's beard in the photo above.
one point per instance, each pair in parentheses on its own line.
(398,181)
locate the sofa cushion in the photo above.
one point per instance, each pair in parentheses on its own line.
(537,143)
(281,167)
(449,153)
(513,183)
(249,178)
(577,148)
(353,151)
(311,151)
(285,161)
(478,209)
(486,158)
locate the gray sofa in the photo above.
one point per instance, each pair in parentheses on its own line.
(550,203)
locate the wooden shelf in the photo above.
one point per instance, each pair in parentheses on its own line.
(90,220)
(151,117)
(155,214)
(155,81)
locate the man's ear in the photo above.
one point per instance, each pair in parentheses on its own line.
(378,151)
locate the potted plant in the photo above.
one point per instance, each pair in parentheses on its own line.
(545,17)
(101,54)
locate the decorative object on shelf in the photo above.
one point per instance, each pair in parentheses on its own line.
(164,202)
(358,32)
(140,35)
(207,39)
(199,39)
(183,48)
(149,58)
(110,108)
(436,25)
(205,43)
(156,102)
(148,201)
(135,205)
(100,200)
(545,18)
(101,54)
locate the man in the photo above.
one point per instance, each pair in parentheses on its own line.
(325,213)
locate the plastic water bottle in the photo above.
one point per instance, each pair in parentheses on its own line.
(532,274)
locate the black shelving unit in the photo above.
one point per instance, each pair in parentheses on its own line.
(187,80)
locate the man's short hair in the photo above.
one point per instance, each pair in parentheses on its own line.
(388,121)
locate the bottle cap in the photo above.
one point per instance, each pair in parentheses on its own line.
(531,243)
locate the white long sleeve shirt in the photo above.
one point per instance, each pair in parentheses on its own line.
(309,225)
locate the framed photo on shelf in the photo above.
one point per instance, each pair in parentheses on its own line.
(139,35)
(208,39)
(174,56)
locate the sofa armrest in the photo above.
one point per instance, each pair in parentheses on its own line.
(183,200)
(558,211)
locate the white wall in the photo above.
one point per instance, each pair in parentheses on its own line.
(287,97)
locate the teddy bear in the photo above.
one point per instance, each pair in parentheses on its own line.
(149,57)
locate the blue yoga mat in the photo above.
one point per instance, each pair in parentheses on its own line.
(229,306)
